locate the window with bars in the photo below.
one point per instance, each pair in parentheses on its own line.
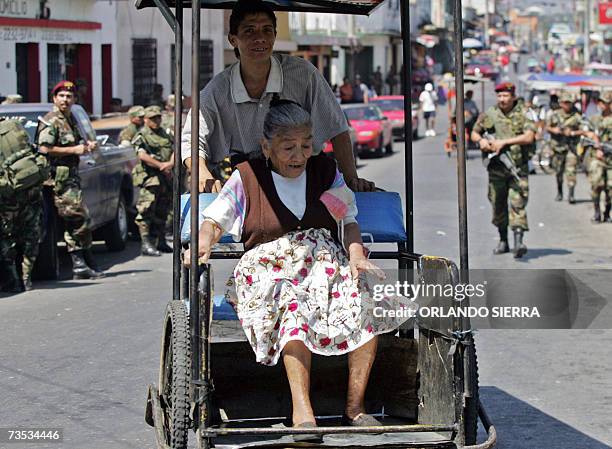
(144,69)
(206,64)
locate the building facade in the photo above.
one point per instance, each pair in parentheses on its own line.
(117,55)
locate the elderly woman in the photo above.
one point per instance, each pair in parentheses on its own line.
(297,291)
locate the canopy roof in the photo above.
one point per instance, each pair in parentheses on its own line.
(363,7)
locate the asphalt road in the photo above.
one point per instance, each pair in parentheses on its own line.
(79,355)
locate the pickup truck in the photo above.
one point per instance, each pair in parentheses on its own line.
(106,179)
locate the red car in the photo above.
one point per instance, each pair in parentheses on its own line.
(373,129)
(482,66)
(392,107)
(329,149)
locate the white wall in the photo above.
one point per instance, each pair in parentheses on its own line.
(8,74)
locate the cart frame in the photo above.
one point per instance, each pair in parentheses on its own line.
(197,282)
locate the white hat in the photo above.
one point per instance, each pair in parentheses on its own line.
(428,87)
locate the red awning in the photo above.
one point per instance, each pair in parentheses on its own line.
(49,23)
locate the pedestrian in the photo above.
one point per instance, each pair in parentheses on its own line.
(59,137)
(346,91)
(391,80)
(428,104)
(377,81)
(600,166)
(153,175)
(515,59)
(550,66)
(565,126)
(22,174)
(505,131)
(234,103)
(136,115)
(361,93)
(471,111)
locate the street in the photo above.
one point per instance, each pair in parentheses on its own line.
(79,355)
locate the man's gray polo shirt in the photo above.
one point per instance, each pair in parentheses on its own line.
(232,123)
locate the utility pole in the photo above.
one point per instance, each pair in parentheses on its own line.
(587,32)
(486,23)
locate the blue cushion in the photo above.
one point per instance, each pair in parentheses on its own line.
(380,215)
(222,310)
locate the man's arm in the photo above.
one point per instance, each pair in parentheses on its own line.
(343,151)
(64,151)
(205,176)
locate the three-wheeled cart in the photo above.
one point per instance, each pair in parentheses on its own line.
(424,383)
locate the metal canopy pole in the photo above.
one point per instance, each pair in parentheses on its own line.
(178,123)
(194,299)
(461,167)
(407,84)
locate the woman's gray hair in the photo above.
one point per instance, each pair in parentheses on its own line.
(284,115)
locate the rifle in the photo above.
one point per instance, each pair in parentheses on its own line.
(503,158)
(606,147)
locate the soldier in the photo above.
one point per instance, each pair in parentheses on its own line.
(168,116)
(59,137)
(152,174)
(505,132)
(136,114)
(565,128)
(22,172)
(600,167)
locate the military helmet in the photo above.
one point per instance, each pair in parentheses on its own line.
(152,111)
(136,111)
(566,97)
(606,96)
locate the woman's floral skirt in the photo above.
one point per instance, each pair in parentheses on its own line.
(299,287)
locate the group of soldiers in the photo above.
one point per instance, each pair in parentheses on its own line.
(151,133)
(53,161)
(25,170)
(507,134)
(566,126)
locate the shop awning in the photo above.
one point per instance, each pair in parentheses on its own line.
(362,7)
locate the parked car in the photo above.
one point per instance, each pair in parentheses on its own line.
(482,66)
(106,179)
(374,134)
(110,127)
(329,149)
(392,106)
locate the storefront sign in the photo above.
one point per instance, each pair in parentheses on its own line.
(605,13)
(19,34)
(17,8)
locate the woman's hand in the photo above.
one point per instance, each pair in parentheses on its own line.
(206,240)
(360,264)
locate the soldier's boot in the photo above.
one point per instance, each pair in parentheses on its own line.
(559,196)
(571,199)
(520,249)
(596,212)
(91,263)
(147,248)
(163,246)
(13,282)
(502,247)
(606,214)
(80,269)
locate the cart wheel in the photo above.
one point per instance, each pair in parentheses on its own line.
(175,374)
(470,413)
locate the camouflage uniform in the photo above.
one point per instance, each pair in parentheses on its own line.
(502,185)
(600,171)
(565,159)
(155,198)
(57,130)
(129,132)
(21,217)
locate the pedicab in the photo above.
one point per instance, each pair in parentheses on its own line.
(424,383)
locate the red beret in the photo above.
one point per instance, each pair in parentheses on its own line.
(68,86)
(505,87)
